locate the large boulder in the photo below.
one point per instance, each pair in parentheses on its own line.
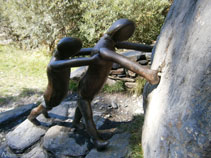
(178,114)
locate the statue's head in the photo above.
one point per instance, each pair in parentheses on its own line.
(121,30)
(68,47)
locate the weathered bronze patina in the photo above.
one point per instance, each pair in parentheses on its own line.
(103,55)
(99,69)
(58,73)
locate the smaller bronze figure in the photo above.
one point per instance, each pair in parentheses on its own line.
(58,73)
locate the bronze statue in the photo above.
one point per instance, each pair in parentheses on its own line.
(58,72)
(98,71)
(100,63)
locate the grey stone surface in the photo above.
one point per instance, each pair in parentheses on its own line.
(60,112)
(119,71)
(148,88)
(37,152)
(133,55)
(24,136)
(47,122)
(62,142)
(143,62)
(178,115)
(115,66)
(57,115)
(130,84)
(11,115)
(6,153)
(114,105)
(98,119)
(71,110)
(78,73)
(118,148)
(110,82)
(148,56)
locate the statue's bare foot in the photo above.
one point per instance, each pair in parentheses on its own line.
(34,121)
(154,78)
(100,144)
(45,113)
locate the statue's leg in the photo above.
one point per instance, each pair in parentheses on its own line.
(77,119)
(45,112)
(34,113)
(86,110)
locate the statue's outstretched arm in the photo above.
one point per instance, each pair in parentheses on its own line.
(75,62)
(84,51)
(150,75)
(134,46)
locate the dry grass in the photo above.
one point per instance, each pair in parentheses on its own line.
(21,70)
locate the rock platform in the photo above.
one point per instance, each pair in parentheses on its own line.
(55,137)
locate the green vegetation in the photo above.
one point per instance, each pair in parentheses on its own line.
(35,23)
(98,16)
(73,85)
(135,129)
(117,87)
(21,70)
(138,89)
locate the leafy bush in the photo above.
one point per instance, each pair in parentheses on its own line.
(119,86)
(147,15)
(138,89)
(39,22)
(73,85)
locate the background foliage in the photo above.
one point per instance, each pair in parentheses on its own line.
(42,22)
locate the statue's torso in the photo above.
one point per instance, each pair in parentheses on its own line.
(57,88)
(97,72)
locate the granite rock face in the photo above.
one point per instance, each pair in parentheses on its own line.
(178,114)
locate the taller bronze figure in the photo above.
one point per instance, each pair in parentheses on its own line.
(98,71)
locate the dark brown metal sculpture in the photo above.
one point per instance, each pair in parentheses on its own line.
(100,63)
(58,73)
(98,71)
